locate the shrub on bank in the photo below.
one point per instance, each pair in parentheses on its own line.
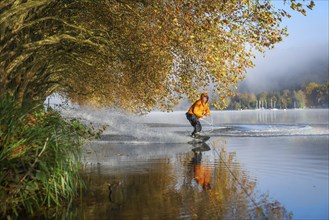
(39,159)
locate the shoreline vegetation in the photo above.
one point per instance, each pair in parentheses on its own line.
(39,160)
(313,95)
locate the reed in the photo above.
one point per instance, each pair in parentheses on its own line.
(39,159)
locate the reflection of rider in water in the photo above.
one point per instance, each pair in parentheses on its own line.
(202,174)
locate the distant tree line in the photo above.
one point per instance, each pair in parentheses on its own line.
(313,95)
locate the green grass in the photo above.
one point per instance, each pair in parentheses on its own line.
(39,159)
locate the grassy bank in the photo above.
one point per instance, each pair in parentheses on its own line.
(39,159)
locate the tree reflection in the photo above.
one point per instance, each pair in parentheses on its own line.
(205,183)
(231,192)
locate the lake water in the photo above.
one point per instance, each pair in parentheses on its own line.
(266,164)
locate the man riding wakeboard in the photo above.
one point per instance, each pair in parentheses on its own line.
(200,109)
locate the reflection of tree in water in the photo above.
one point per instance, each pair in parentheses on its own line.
(232,194)
(271,209)
(132,195)
(169,189)
(231,197)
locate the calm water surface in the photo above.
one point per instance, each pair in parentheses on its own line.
(256,165)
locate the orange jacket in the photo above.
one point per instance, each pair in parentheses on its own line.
(199,108)
(203,175)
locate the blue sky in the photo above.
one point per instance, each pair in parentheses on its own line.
(302,56)
(305,29)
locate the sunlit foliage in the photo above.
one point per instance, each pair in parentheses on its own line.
(313,95)
(135,55)
(317,95)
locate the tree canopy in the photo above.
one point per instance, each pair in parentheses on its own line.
(133,54)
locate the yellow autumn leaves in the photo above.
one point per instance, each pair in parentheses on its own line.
(130,55)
